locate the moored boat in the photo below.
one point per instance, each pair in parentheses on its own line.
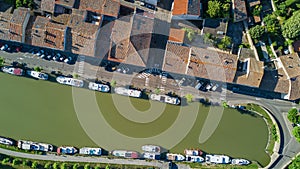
(38,75)
(6,141)
(99,87)
(195,159)
(192,152)
(90,151)
(175,157)
(239,161)
(13,71)
(151,148)
(128,92)
(165,99)
(153,156)
(125,153)
(217,159)
(70,81)
(30,145)
(66,150)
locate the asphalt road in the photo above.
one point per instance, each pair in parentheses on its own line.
(289,146)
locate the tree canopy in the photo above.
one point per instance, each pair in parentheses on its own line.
(214,8)
(291,28)
(295,163)
(293,115)
(256,31)
(296,133)
(272,24)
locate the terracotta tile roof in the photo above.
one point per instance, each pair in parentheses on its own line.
(38,31)
(111,8)
(121,38)
(141,34)
(105,7)
(54,35)
(4,25)
(194,7)
(176,35)
(212,65)
(257,19)
(296,46)
(180,7)
(239,10)
(275,81)
(134,57)
(295,88)
(48,5)
(291,63)
(18,23)
(66,3)
(254,75)
(176,58)
(61,19)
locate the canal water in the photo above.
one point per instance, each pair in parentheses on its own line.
(44,111)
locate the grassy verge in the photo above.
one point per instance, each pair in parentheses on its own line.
(272,127)
(8,162)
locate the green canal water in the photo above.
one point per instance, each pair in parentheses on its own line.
(44,111)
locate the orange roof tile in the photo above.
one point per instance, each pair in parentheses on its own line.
(176,35)
(180,7)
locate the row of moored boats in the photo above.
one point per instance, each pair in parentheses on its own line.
(149,152)
(92,85)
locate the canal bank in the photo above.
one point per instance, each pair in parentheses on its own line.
(45,113)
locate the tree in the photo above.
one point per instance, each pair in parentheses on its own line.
(63,166)
(225,105)
(1,61)
(107,167)
(37,68)
(16,161)
(208,38)
(256,10)
(98,167)
(214,8)
(293,115)
(113,83)
(189,98)
(226,41)
(157,91)
(296,133)
(75,75)
(47,165)
(190,33)
(5,161)
(87,166)
(295,163)
(75,166)
(19,3)
(34,165)
(272,24)
(256,31)
(291,28)
(55,166)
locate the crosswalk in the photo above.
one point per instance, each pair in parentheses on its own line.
(80,65)
(143,75)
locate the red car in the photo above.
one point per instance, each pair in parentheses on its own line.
(18,48)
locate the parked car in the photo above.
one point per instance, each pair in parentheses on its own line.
(68,60)
(49,57)
(4,47)
(198,85)
(150,6)
(215,87)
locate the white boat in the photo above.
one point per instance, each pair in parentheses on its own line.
(238,161)
(194,159)
(90,151)
(128,92)
(99,87)
(69,81)
(217,159)
(153,156)
(29,145)
(175,157)
(6,141)
(151,148)
(125,154)
(66,150)
(13,71)
(38,75)
(192,152)
(165,99)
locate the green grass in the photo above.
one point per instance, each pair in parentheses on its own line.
(258,109)
(43,111)
(291,2)
(270,51)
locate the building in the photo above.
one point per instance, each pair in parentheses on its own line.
(18,24)
(187,9)
(4,25)
(239,10)
(212,65)
(215,27)
(176,58)
(106,7)
(249,72)
(176,35)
